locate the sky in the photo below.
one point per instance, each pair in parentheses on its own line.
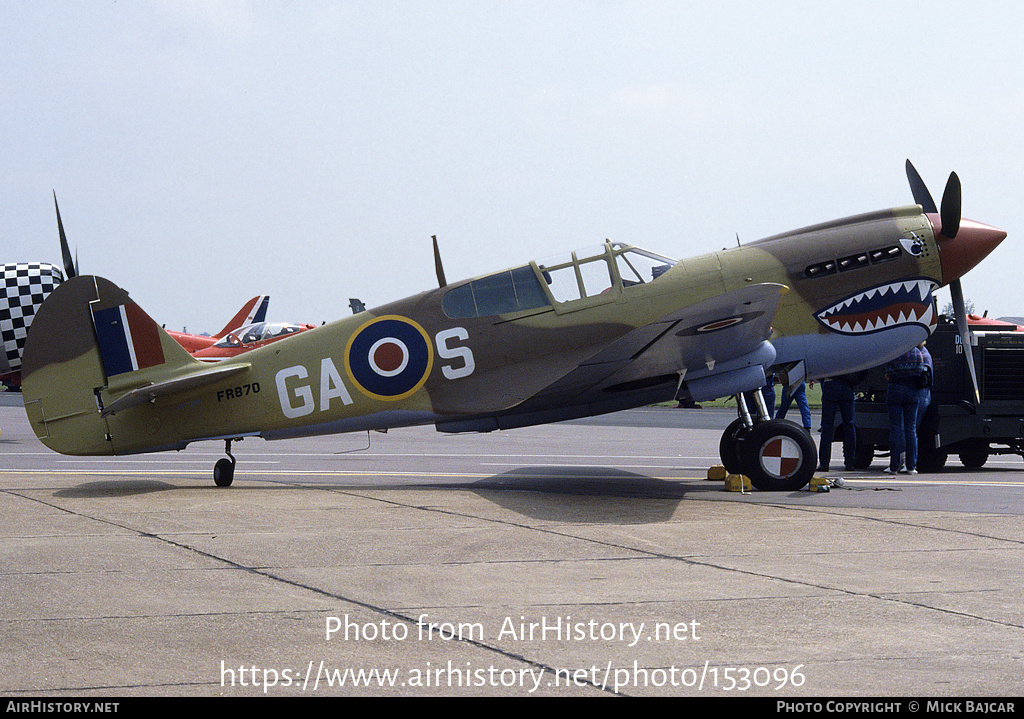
(204,152)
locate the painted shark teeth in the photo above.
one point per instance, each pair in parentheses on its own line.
(881,307)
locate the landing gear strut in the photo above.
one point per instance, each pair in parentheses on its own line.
(777,456)
(224,470)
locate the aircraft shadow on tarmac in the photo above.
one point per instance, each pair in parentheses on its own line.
(582,494)
(113,488)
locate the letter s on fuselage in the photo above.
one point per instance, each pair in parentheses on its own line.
(464,353)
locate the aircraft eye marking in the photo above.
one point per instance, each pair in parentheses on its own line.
(389,357)
(914,246)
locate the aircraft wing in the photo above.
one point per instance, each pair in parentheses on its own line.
(718,346)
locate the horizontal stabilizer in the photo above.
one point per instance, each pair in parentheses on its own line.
(150,392)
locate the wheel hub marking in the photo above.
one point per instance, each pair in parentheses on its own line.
(781,457)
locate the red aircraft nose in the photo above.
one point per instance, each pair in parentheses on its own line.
(973,242)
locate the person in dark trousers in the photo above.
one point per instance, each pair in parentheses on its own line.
(800,397)
(903,399)
(837,395)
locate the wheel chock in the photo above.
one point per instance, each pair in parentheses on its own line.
(819,484)
(737,483)
(717,473)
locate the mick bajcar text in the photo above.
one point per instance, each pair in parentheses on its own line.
(930,706)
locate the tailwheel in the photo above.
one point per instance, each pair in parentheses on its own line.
(778,456)
(224,470)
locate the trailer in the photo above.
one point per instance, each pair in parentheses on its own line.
(955,423)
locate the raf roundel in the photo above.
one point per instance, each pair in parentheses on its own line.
(389,357)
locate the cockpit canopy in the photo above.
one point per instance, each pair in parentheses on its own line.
(578,275)
(257,333)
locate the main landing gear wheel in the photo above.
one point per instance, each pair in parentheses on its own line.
(224,470)
(778,456)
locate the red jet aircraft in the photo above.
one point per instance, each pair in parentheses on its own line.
(249,337)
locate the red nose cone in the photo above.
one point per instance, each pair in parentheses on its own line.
(973,242)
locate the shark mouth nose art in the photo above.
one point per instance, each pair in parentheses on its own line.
(882,307)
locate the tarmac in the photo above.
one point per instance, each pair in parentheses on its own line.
(574,559)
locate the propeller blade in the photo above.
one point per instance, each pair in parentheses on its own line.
(920,190)
(437,264)
(965,334)
(70,266)
(950,212)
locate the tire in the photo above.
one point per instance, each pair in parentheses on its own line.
(974,457)
(223,472)
(864,455)
(779,456)
(729,447)
(931,460)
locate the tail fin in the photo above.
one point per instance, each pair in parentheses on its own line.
(91,352)
(255,310)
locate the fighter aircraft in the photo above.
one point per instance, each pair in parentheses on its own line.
(245,338)
(253,311)
(589,332)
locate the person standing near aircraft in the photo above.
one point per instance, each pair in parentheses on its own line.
(837,396)
(902,398)
(800,397)
(926,383)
